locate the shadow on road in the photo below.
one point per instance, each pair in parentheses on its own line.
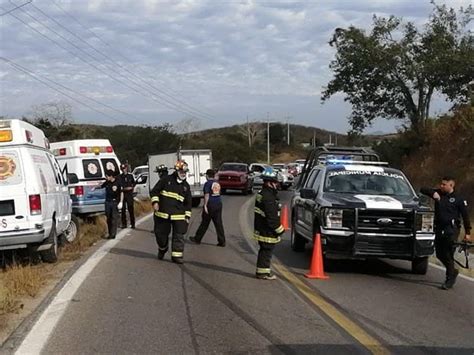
(131,252)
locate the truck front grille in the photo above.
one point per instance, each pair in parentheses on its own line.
(385,221)
(381,246)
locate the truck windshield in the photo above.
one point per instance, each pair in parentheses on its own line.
(367,182)
(233,167)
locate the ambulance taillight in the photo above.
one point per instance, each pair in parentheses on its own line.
(35,204)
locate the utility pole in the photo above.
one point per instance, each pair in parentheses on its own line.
(248,131)
(314,138)
(288,129)
(268,138)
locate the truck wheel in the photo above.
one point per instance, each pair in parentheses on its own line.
(419,266)
(298,243)
(72,231)
(51,255)
(195,201)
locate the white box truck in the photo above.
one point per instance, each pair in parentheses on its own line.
(199,160)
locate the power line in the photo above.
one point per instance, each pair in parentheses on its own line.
(16,8)
(121,66)
(152,96)
(12,63)
(118,53)
(17,67)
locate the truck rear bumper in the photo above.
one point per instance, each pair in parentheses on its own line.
(14,240)
(88,209)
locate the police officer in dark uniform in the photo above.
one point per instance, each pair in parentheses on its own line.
(211,211)
(267,227)
(128,183)
(113,200)
(449,209)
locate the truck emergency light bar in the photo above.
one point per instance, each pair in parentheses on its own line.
(355,162)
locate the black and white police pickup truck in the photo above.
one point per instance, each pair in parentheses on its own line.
(362,209)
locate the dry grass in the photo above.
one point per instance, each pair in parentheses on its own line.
(18,280)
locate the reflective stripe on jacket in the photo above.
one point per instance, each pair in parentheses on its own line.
(267,227)
(174,198)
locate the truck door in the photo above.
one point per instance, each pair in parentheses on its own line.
(304,207)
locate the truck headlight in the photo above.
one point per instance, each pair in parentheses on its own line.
(333,218)
(426,222)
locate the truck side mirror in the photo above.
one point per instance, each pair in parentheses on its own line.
(72,179)
(308,193)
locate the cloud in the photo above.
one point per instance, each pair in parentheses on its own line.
(228,58)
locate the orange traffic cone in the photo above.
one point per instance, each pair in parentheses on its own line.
(316,270)
(284,217)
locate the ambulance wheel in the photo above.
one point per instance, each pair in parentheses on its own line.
(298,243)
(419,266)
(51,255)
(72,231)
(196,201)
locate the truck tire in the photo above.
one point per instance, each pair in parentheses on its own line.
(419,266)
(72,231)
(195,201)
(51,255)
(298,243)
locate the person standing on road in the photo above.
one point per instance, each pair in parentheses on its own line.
(212,210)
(171,200)
(267,226)
(113,201)
(449,209)
(128,183)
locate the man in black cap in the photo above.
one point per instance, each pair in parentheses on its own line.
(212,210)
(128,183)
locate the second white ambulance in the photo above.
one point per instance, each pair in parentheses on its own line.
(85,161)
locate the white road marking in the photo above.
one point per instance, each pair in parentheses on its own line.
(39,334)
(465,277)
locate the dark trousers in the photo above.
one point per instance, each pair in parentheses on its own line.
(444,244)
(214,215)
(162,231)
(264,258)
(111,212)
(128,205)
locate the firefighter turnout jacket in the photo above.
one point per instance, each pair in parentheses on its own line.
(267,227)
(173,197)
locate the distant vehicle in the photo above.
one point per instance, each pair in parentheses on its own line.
(257,169)
(142,188)
(362,209)
(139,170)
(85,161)
(35,207)
(198,160)
(293,169)
(285,178)
(235,176)
(300,165)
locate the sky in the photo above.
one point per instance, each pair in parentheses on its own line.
(195,64)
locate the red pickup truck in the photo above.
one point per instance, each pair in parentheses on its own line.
(235,176)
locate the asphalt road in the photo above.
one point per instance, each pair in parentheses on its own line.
(133,303)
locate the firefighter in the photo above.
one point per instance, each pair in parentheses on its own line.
(267,227)
(161,170)
(449,209)
(212,210)
(171,199)
(128,183)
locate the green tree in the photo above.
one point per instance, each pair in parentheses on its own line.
(394,71)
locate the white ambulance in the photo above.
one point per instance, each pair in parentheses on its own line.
(85,162)
(35,207)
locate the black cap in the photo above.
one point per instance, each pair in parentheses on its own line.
(210,172)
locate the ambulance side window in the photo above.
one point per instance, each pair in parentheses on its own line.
(55,169)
